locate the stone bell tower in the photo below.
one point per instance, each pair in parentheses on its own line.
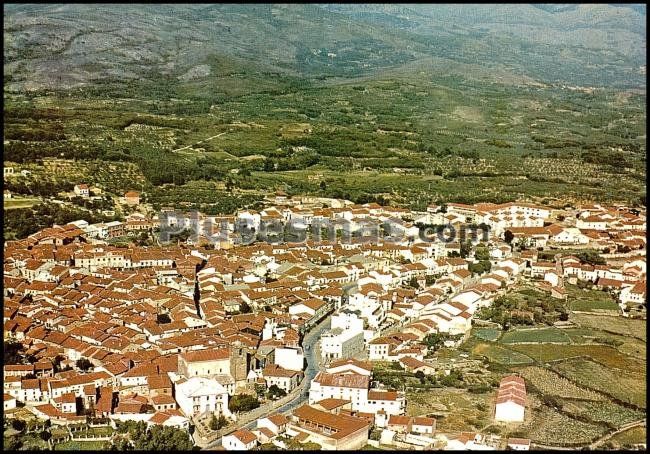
(239,363)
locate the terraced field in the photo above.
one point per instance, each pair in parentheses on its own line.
(488,334)
(581,379)
(604,354)
(617,325)
(627,385)
(607,412)
(74,445)
(590,300)
(547,335)
(550,383)
(630,437)
(501,355)
(549,427)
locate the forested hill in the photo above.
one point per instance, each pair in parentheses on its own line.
(60,46)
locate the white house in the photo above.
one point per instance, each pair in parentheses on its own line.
(9,402)
(511,400)
(567,235)
(82,190)
(276,423)
(467,441)
(239,440)
(199,395)
(338,343)
(519,444)
(350,387)
(291,358)
(390,402)
(350,366)
(283,378)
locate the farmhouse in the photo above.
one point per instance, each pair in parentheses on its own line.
(511,400)
(81,190)
(132,198)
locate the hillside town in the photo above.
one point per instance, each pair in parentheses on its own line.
(256,344)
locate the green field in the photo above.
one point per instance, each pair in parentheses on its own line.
(636,435)
(626,385)
(583,379)
(488,334)
(617,325)
(74,445)
(19,203)
(604,354)
(590,300)
(501,355)
(552,428)
(400,138)
(543,335)
(550,383)
(607,412)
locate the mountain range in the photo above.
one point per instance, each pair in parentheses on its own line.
(49,46)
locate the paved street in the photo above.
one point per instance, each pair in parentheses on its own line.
(312,355)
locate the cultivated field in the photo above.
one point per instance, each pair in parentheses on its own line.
(617,325)
(590,300)
(501,355)
(604,354)
(606,412)
(627,385)
(553,428)
(488,334)
(545,335)
(549,383)
(629,437)
(19,203)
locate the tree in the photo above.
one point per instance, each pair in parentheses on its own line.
(218,423)
(12,352)
(465,248)
(163,318)
(18,424)
(244,308)
(243,402)
(121,444)
(508,236)
(414,282)
(482,253)
(84,364)
(162,438)
(275,392)
(591,257)
(259,389)
(420,376)
(57,363)
(434,341)
(480,267)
